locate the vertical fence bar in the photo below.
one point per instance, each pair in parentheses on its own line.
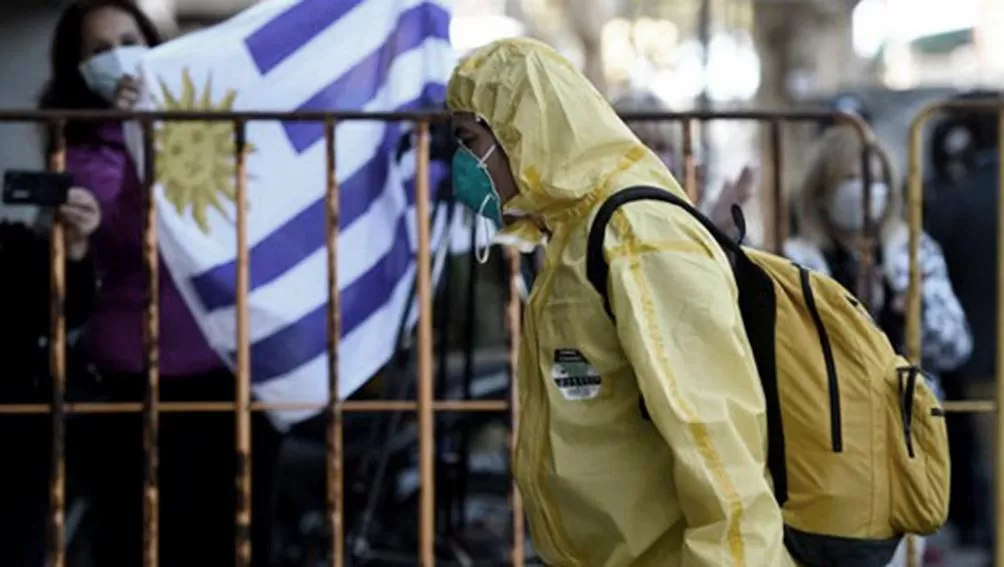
(426,445)
(57,363)
(999,369)
(514,321)
(689,163)
(151,419)
(335,499)
(242,408)
(914,220)
(914,217)
(866,264)
(915,214)
(865,276)
(779,216)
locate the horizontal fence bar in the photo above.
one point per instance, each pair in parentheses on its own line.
(415,116)
(352,406)
(969,406)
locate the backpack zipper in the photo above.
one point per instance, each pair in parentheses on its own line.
(907,391)
(836,432)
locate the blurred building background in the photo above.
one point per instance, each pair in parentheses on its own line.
(712,54)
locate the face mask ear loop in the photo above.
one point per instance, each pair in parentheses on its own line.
(482,160)
(482,253)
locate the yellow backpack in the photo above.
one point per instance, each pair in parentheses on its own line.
(857,446)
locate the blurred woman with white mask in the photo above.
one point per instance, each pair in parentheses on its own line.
(828,208)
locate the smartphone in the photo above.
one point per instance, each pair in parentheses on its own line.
(39,188)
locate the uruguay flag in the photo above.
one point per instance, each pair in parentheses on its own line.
(286,55)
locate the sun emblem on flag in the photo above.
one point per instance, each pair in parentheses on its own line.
(195,160)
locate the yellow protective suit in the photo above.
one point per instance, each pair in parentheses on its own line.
(604,487)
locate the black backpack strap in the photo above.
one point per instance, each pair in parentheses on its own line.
(597,269)
(756,302)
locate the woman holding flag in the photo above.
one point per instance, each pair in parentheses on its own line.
(97,46)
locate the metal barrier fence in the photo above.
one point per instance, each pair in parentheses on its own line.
(915,210)
(425,405)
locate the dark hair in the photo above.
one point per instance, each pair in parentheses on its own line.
(66,88)
(977,133)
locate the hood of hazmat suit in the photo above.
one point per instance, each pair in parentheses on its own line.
(605,485)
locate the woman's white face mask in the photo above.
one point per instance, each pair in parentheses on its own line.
(103,72)
(845,206)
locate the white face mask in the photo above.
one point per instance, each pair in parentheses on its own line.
(845,208)
(103,72)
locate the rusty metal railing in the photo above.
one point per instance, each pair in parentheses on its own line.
(425,405)
(993,109)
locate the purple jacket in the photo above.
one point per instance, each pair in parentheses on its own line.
(113,337)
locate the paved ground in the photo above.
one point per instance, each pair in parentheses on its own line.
(958,558)
(944,554)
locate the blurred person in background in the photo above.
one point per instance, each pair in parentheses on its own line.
(847,103)
(961,213)
(540,150)
(660,136)
(26,439)
(97,44)
(829,205)
(829,208)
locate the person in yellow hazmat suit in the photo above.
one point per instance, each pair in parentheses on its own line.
(604,484)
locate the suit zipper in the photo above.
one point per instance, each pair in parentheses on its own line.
(836,431)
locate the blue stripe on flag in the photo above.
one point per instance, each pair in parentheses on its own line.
(302,341)
(357,86)
(294,28)
(304,233)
